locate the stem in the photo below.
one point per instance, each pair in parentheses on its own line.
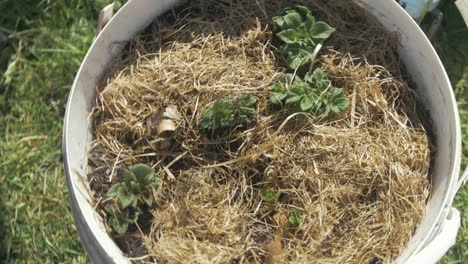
(314,54)
(426,9)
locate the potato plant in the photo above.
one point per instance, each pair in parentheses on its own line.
(225,113)
(130,195)
(314,94)
(301,35)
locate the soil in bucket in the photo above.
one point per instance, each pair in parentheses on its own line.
(248,163)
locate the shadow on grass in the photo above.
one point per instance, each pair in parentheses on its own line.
(451,42)
(3,229)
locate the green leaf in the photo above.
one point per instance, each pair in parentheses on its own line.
(278,90)
(125,201)
(136,213)
(298,56)
(314,95)
(304,11)
(157,181)
(294,60)
(295,219)
(308,77)
(129,176)
(118,218)
(141,170)
(269,196)
(298,88)
(244,110)
(298,81)
(319,75)
(278,21)
(111,208)
(217,114)
(306,53)
(290,36)
(335,93)
(117,225)
(149,178)
(286,79)
(322,85)
(309,25)
(293,99)
(292,19)
(153,181)
(277,98)
(135,187)
(244,113)
(339,105)
(126,197)
(321,30)
(148,199)
(228,113)
(301,34)
(114,190)
(132,194)
(308,102)
(246,101)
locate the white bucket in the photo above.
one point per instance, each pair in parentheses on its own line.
(440,220)
(418,8)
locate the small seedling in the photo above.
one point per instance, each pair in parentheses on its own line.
(315,94)
(133,192)
(270,196)
(228,113)
(301,35)
(243,109)
(295,219)
(120,218)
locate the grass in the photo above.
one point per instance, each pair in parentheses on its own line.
(47,41)
(451,42)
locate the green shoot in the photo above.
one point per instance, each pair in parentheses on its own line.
(295,219)
(268,195)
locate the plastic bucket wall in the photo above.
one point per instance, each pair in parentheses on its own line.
(415,50)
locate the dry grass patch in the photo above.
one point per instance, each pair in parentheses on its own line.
(359,180)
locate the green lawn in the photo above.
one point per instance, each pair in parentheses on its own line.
(451,43)
(47,41)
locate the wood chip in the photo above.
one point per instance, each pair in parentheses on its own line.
(274,248)
(166,128)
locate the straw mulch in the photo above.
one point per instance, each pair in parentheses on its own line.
(360,179)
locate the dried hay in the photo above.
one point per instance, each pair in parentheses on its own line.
(360,180)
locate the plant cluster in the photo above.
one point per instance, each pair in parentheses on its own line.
(130,195)
(271,197)
(295,219)
(225,113)
(301,35)
(314,94)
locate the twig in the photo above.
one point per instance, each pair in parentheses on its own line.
(111,178)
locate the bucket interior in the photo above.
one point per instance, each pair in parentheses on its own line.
(416,52)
